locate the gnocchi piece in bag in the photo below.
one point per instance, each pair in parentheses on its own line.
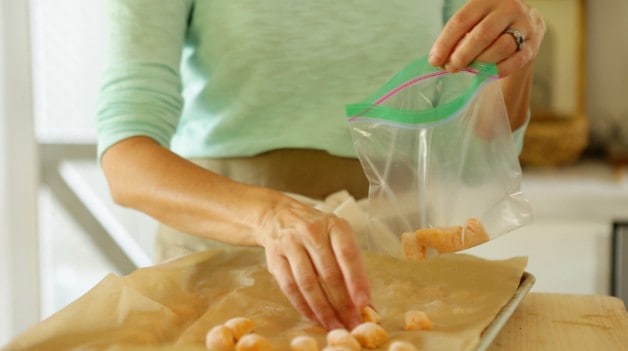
(443,170)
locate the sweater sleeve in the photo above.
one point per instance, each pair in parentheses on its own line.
(141,85)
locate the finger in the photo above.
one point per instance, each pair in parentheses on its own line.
(481,37)
(307,279)
(533,40)
(280,269)
(456,28)
(514,62)
(502,48)
(349,257)
(333,282)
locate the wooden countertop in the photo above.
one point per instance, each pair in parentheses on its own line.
(565,322)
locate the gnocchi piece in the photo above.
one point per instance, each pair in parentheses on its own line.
(474,233)
(412,249)
(370,335)
(342,337)
(253,342)
(220,338)
(336,348)
(417,320)
(401,346)
(368,314)
(445,239)
(240,326)
(303,343)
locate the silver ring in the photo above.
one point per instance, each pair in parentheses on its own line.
(520,39)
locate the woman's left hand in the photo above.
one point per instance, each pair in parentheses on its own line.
(478,32)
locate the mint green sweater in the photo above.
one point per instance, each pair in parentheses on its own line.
(224,78)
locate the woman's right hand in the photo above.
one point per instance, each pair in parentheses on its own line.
(315,258)
(313,255)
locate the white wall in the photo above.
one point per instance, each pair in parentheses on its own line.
(19,287)
(607,71)
(69,51)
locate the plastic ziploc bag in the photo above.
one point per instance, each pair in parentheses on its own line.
(438,152)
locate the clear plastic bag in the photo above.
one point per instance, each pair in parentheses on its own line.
(441,162)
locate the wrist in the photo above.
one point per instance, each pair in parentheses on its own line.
(270,204)
(517,89)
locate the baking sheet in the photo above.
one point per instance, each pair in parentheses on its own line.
(173,305)
(491,332)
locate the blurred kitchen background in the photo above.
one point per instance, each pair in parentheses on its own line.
(60,233)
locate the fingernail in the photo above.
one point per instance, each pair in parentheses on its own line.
(355,322)
(334,325)
(433,59)
(449,68)
(362,300)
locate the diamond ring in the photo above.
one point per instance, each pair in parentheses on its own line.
(520,39)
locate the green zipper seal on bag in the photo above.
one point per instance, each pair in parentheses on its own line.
(418,70)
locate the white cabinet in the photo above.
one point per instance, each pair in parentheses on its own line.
(569,243)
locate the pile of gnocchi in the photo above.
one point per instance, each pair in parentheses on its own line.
(238,334)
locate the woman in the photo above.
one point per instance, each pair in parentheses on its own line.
(264,85)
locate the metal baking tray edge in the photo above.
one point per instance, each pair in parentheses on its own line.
(493,329)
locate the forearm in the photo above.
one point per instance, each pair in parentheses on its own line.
(147,177)
(516,88)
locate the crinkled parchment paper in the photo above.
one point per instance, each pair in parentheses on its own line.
(172,306)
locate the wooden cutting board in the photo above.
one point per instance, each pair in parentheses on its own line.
(566,322)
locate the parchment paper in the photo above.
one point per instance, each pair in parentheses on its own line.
(172,306)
